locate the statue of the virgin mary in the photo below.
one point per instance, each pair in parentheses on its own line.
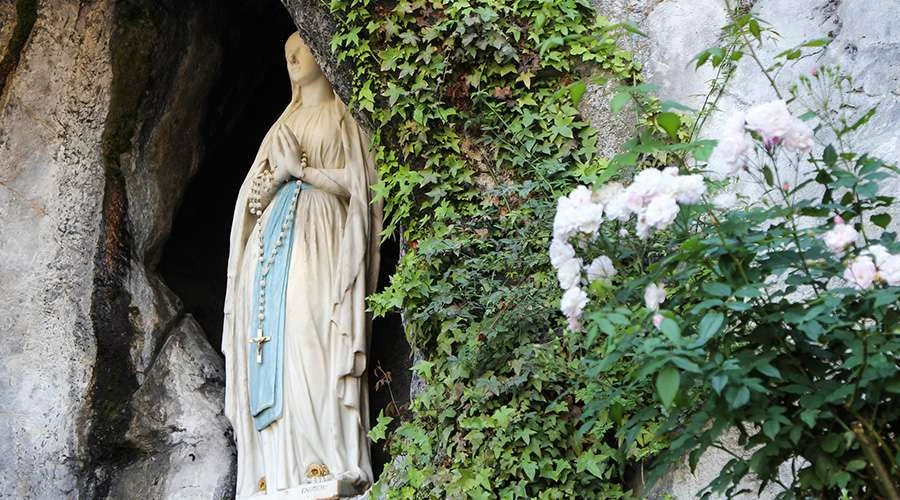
(304,255)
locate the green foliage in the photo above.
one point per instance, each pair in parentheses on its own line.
(477,132)
(760,333)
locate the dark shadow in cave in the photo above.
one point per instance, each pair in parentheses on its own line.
(251,92)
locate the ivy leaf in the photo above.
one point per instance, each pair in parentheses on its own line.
(378,432)
(576,91)
(393,93)
(591,463)
(530,468)
(503,416)
(667,382)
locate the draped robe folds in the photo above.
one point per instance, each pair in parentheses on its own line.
(334,265)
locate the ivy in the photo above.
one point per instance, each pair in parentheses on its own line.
(477,132)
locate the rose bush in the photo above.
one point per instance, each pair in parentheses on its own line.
(775,316)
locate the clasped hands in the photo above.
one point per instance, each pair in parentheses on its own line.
(286,155)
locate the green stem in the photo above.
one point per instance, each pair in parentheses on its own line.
(884,482)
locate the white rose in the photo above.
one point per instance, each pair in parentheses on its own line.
(576,213)
(689,188)
(608,192)
(601,267)
(654,295)
(861,272)
(838,238)
(642,230)
(560,252)
(617,208)
(647,184)
(725,201)
(569,273)
(661,211)
(572,305)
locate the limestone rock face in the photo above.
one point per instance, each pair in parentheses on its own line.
(51,192)
(108,390)
(179,424)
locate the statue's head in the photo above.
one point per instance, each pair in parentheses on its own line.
(302,66)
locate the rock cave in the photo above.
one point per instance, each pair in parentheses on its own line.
(250,90)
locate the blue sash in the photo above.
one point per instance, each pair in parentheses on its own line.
(266,378)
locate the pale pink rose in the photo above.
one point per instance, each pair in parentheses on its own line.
(661,212)
(799,137)
(657,320)
(879,253)
(889,270)
(654,295)
(838,238)
(888,265)
(861,272)
(601,267)
(732,147)
(771,120)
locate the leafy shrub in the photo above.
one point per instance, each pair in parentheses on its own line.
(774,315)
(477,132)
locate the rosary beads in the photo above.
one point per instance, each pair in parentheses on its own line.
(263,182)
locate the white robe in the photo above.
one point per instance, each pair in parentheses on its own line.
(334,264)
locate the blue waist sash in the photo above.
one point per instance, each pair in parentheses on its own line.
(266,377)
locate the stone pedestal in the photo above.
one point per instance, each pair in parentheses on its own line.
(334,488)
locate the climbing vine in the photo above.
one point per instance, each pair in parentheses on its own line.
(477,132)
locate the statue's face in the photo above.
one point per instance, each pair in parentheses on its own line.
(302,66)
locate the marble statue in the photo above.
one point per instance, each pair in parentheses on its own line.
(303,257)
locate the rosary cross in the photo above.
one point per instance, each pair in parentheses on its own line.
(259,340)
